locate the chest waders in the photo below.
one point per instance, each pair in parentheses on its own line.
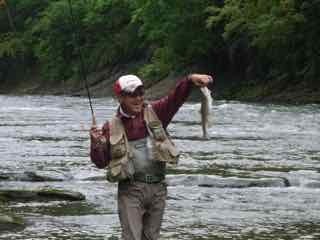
(143,159)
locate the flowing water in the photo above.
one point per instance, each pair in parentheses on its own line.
(257,177)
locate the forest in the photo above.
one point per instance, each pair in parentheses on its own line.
(259,49)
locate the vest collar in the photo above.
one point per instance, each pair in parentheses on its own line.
(123,114)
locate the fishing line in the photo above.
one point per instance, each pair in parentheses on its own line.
(83,69)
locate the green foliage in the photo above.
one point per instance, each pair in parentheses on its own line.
(278,39)
(176,31)
(101,31)
(110,37)
(11,45)
(54,46)
(160,65)
(277,29)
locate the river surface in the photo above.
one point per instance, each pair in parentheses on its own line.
(257,177)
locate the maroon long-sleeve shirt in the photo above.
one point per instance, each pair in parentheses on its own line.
(165,108)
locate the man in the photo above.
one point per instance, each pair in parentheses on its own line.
(136,148)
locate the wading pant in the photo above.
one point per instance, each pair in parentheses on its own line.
(141,207)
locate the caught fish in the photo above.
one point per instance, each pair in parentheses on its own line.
(206,103)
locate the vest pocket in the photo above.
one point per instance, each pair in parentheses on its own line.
(157,130)
(118,149)
(167,152)
(114,171)
(117,170)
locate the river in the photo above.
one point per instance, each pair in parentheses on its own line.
(257,177)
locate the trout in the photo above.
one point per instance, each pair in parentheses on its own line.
(206,103)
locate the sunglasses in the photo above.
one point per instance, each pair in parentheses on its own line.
(137,93)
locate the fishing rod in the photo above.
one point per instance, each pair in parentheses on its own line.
(83,68)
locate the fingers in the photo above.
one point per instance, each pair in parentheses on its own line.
(206,79)
(97,136)
(95,132)
(201,80)
(94,128)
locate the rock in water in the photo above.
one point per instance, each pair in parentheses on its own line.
(45,194)
(46,176)
(9,221)
(206,103)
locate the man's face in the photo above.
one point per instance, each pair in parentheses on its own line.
(132,103)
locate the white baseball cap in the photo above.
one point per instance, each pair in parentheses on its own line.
(127,83)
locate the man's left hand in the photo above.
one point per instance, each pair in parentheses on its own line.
(200,80)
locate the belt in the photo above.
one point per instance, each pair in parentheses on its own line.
(147,178)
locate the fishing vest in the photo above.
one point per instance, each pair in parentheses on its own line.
(162,149)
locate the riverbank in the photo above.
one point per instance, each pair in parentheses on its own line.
(278,56)
(225,88)
(297,93)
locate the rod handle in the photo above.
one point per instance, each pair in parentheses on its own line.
(94,121)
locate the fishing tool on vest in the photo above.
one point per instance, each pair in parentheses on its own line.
(83,69)
(206,104)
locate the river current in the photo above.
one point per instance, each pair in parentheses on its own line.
(257,177)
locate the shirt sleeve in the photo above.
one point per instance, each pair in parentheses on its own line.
(167,107)
(100,153)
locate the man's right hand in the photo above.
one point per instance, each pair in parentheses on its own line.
(97,136)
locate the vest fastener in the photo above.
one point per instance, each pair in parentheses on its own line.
(147,178)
